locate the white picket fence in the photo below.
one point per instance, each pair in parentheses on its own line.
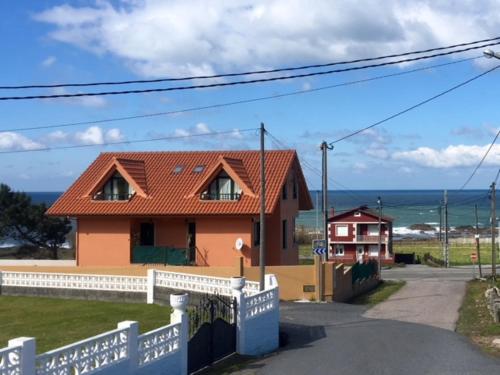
(164,350)
(120,283)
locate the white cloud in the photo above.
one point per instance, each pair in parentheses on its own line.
(49,61)
(234,138)
(90,136)
(451,156)
(173,38)
(10,141)
(95,136)
(85,101)
(114,135)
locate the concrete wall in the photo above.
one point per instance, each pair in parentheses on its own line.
(345,290)
(91,295)
(291,279)
(262,335)
(103,241)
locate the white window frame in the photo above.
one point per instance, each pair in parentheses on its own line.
(339,250)
(343,226)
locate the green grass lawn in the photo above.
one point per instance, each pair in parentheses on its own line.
(58,322)
(383,291)
(475,320)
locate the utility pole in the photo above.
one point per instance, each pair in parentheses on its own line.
(446,248)
(478,250)
(324,148)
(493,231)
(440,223)
(379,208)
(262,240)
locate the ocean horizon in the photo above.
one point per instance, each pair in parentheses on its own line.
(407,207)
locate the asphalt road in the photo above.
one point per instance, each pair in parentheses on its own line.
(336,338)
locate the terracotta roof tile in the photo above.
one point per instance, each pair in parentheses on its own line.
(167,191)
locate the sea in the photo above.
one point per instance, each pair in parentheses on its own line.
(406,207)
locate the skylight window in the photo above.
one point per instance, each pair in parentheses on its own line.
(198,169)
(178,169)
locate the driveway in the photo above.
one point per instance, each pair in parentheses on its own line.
(430,296)
(336,338)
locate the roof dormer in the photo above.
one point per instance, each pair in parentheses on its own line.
(121,180)
(226,180)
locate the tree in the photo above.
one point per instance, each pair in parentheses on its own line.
(26,222)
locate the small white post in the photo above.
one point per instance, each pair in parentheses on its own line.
(237,285)
(271,281)
(28,354)
(132,347)
(179,302)
(151,286)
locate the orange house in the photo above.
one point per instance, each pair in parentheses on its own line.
(205,204)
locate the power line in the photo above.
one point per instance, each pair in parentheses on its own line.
(226,75)
(234,83)
(243,101)
(483,158)
(132,141)
(416,105)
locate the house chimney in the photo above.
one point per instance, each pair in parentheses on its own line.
(332,212)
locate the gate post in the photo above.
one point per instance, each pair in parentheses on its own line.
(132,346)
(237,285)
(27,358)
(179,302)
(151,281)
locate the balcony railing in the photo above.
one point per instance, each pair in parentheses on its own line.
(112,197)
(220,196)
(370,238)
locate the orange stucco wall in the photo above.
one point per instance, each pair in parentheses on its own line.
(103,241)
(287,209)
(216,237)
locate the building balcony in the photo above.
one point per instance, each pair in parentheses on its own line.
(371,238)
(112,197)
(220,196)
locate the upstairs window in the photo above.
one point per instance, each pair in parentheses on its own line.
(284,191)
(222,188)
(115,189)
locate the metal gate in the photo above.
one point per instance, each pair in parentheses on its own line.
(212,331)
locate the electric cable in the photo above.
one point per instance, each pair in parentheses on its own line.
(226,75)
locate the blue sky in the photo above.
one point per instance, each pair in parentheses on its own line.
(433,147)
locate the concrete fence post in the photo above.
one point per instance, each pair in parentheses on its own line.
(270,281)
(237,285)
(151,286)
(133,343)
(28,354)
(179,302)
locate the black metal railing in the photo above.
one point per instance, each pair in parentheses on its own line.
(220,196)
(112,197)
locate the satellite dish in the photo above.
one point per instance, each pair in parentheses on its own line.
(239,244)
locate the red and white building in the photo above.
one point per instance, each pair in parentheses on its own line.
(353,236)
